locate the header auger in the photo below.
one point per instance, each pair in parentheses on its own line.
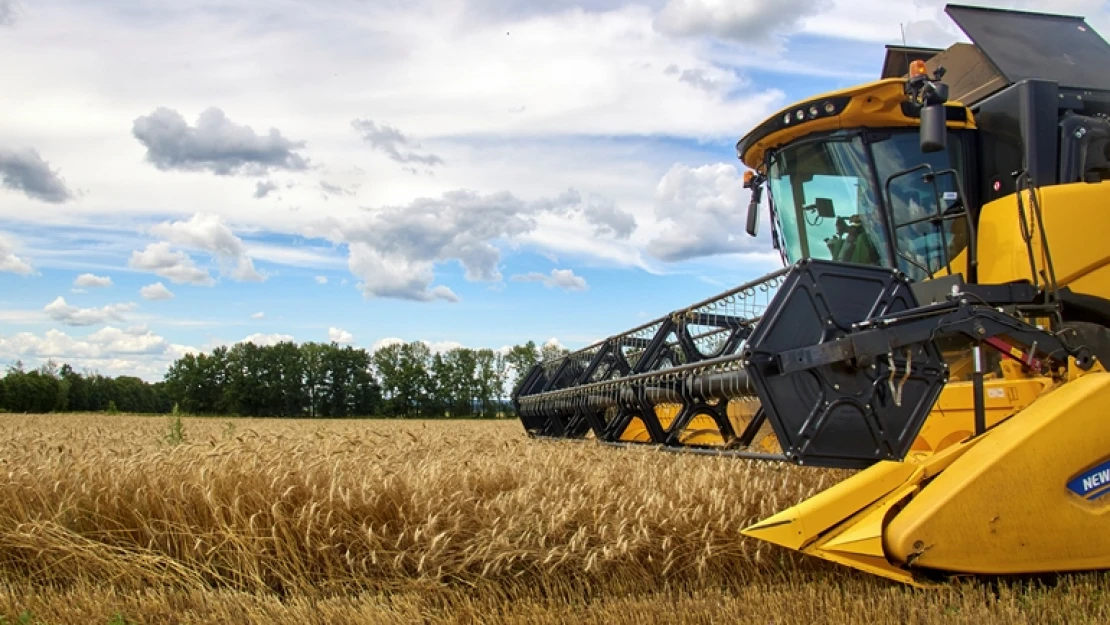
(941,324)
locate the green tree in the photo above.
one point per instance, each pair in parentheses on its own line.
(403,371)
(520,360)
(197,383)
(552,350)
(315,365)
(439,390)
(288,396)
(487,382)
(77,395)
(30,391)
(462,367)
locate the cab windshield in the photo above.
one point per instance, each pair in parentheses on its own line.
(829,197)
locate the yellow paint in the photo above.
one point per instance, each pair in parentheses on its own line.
(1075,223)
(865,536)
(798,526)
(740,414)
(1004,507)
(845,524)
(702,430)
(953,417)
(875,104)
(636,432)
(858,540)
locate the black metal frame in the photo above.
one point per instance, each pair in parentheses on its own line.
(598,367)
(844,363)
(937,219)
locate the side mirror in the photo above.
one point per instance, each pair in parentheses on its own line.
(928,95)
(753,214)
(825,207)
(753,181)
(934,133)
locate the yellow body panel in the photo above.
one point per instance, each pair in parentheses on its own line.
(953,417)
(798,526)
(1076,222)
(875,104)
(1005,506)
(845,523)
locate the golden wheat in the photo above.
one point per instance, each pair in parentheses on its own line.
(411,521)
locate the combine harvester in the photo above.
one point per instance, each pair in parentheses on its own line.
(941,322)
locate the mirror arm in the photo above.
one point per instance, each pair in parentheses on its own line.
(928,95)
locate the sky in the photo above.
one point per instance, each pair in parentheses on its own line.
(479,173)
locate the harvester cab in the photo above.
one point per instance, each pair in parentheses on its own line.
(941,323)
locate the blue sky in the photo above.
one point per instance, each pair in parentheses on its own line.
(463,172)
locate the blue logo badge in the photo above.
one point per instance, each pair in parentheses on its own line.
(1092,483)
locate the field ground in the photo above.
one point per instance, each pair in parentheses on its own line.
(115,519)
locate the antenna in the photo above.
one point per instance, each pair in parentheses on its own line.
(905,51)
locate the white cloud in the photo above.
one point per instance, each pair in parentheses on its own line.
(8,10)
(266,340)
(559,278)
(566,72)
(440,347)
(10,262)
(704,210)
(258,315)
(208,232)
(25,170)
(338,335)
(924,21)
(436,347)
(394,250)
(321,280)
(386,342)
(755,22)
(562,73)
(60,311)
(175,265)
(297,255)
(202,231)
(551,345)
(263,188)
(398,277)
(110,350)
(156,291)
(92,280)
(214,144)
(393,143)
(245,272)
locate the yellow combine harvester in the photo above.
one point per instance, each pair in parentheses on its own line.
(940,324)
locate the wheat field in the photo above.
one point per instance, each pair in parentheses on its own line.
(117,519)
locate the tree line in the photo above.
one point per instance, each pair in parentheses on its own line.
(292,380)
